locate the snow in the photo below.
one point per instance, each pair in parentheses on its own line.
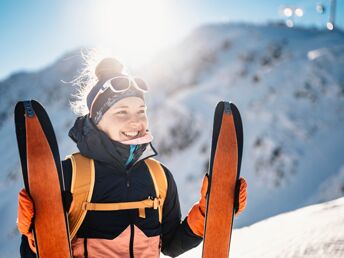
(316,232)
(289,87)
(331,187)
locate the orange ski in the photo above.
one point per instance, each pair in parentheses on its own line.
(224,173)
(43,179)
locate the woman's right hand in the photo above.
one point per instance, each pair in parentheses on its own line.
(25,216)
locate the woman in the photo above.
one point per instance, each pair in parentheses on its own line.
(115,136)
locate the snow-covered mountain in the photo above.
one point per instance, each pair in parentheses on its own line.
(287,83)
(289,87)
(316,231)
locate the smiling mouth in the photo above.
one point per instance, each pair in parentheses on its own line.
(131,135)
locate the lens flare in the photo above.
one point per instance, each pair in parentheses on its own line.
(134,30)
(287,11)
(329,26)
(299,12)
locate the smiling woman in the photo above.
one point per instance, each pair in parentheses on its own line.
(134,29)
(132,208)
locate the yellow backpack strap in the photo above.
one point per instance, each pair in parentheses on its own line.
(83,176)
(160,182)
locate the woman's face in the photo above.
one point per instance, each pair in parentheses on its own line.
(125,120)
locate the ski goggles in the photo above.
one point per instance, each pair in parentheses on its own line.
(121,84)
(113,90)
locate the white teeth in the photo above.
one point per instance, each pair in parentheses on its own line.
(131,134)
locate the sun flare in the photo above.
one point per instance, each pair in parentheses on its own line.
(133,30)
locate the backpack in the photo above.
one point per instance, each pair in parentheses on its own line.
(83,177)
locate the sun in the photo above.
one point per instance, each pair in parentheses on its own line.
(133,30)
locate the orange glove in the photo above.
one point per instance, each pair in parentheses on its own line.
(196,215)
(25,216)
(240,198)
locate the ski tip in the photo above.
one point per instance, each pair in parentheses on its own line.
(27,107)
(235,110)
(35,102)
(227,108)
(29,111)
(19,109)
(224,106)
(233,105)
(38,106)
(24,106)
(18,106)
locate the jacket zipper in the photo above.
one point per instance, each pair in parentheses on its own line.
(131,245)
(131,242)
(85,248)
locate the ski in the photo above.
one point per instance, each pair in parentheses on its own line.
(43,179)
(224,172)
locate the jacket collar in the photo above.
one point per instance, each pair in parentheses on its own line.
(95,144)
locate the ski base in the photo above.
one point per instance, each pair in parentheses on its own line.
(43,179)
(224,172)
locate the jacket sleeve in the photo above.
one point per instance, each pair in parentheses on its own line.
(25,251)
(177,236)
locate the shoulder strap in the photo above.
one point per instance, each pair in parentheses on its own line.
(83,176)
(160,182)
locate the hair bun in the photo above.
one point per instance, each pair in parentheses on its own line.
(107,68)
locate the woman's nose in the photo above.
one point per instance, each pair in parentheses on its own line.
(134,121)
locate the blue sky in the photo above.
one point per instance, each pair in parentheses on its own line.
(35,33)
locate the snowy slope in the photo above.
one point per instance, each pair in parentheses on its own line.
(314,232)
(287,83)
(289,87)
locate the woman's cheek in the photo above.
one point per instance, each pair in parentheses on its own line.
(145,122)
(143,118)
(121,118)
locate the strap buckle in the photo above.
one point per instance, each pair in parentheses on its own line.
(156,203)
(84,206)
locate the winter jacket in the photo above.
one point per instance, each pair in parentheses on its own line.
(123,233)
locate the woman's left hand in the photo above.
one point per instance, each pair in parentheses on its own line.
(240,199)
(196,215)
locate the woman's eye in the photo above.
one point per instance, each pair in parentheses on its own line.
(121,113)
(141,112)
